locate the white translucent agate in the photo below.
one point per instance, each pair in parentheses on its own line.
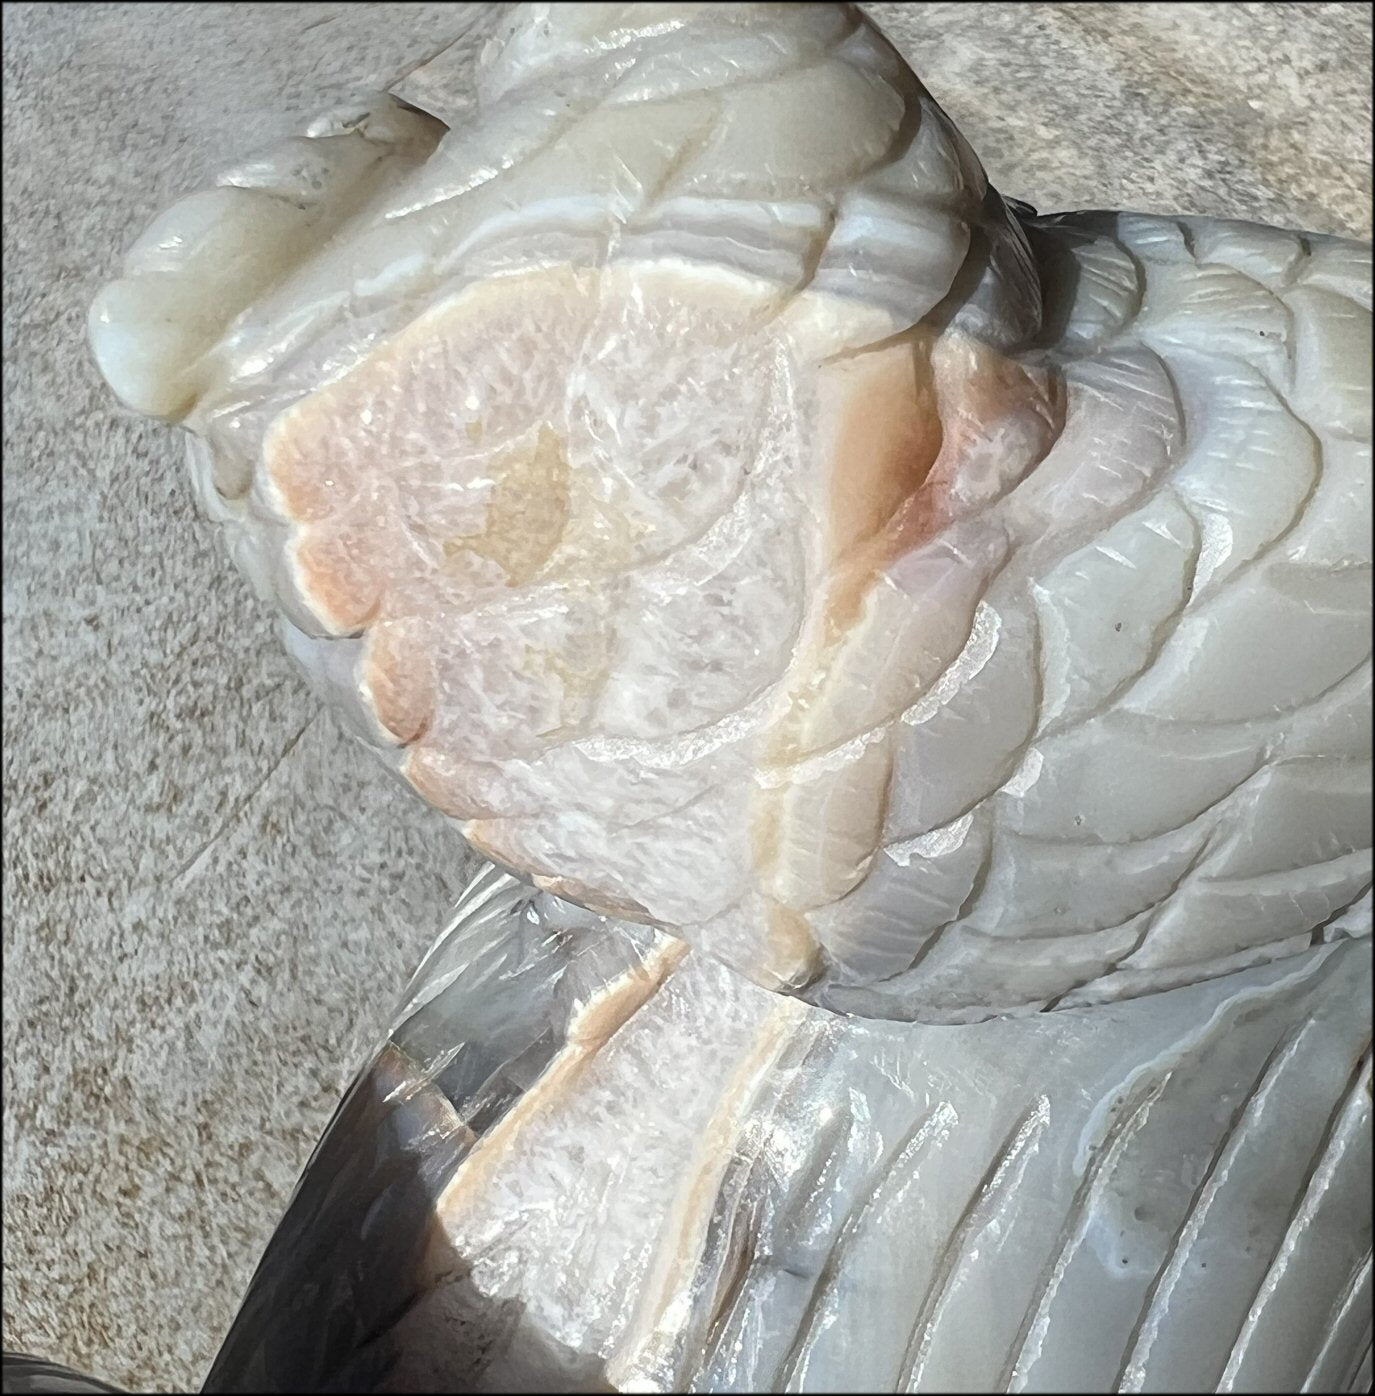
(591,1159)
(674,458)
(699,483)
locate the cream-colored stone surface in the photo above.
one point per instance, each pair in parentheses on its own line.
(211,897)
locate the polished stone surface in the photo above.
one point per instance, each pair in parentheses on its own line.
(211,897)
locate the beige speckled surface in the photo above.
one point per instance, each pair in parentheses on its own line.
(211,898)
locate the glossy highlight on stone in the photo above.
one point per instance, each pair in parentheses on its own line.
(818,576)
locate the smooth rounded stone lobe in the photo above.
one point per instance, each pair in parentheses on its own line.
(737,516)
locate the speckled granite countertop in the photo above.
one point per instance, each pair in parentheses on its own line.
(211,898)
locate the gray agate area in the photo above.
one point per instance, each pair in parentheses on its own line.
(211,898)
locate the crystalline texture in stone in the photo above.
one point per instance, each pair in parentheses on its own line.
(675,459)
